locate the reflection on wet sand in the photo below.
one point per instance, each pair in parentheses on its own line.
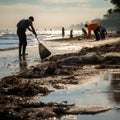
(23,64)
(115,86)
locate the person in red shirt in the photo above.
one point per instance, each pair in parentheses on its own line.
(95,28)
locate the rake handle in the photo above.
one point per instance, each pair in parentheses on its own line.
(37,39)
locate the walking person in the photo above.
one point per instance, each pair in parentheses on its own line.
(22,26)
(95,28)
(71,33)
(63,31)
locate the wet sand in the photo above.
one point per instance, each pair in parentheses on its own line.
(10,64)
(19,92)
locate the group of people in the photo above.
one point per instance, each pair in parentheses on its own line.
(99,31)
(25,24)
(63,32)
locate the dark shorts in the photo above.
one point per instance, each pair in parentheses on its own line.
(22,36)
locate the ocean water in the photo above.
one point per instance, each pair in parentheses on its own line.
(9,40)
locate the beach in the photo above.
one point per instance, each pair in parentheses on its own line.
(9,60)
(73,64)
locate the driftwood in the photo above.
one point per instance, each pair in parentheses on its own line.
(87,109)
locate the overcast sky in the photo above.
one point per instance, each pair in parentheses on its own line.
(51,13)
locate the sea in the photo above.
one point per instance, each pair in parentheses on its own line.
(9,39)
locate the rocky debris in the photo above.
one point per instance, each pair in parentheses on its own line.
(66,66)
(112,60)
(17,91)
(102,49)
(92,58)
(41,111)
(73,60)
(12,85)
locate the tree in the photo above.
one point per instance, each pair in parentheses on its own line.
(117,5)
(110,11)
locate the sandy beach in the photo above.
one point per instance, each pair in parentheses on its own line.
(10,64)
(73,64)
(60,60)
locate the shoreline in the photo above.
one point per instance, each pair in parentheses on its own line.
(9,61)
(24,89)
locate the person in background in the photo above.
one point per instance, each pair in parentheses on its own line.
(84,33)
(22,26)
(103,32)
(71,33)
(95,28)
(63,31)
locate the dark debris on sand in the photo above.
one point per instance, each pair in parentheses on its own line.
(17,91)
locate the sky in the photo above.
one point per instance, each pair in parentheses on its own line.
(51,13)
